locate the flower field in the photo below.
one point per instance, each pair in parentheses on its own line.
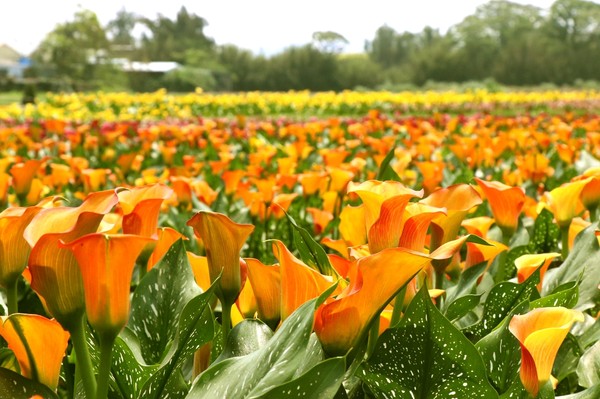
(314,245)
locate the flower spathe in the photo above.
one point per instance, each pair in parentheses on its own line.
(39,345)
(541,333)
(506,203)
(223,240)
(106,263)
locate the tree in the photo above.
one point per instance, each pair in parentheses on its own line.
(75,51)
(329,42)
(122,42)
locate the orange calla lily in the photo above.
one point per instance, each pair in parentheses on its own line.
(246,302)
(266,282)
(4,184)
(299,283)
(527,264)
(506,203)
(418,219)
(458,200)
(565,202)
(320,219)
(352,225)
(166,238)
(106,263)
(141,206)
(477,253)
(223,240)
(39,345)
(54,271)
(540,333)
(23,174)
(281,203)
(478,226)
(14,249)
(199,265)
(374,280)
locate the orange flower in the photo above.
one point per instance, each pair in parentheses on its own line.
(14,249)
(478,226)
(23,174)
(458,200)
(374,280)
(299,283)
(141,206)
(312,182)
(281,203)
(477,253)
(527,264)
(39,345)
(94,179)
(55,275)
(106,263)
(320,219)
(565,202)
(166,238)
(266,282)
(223,240)
(433,173)
(506,203)
(540,333)
(199,265)
(4,184)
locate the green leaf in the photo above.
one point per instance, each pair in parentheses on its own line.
(565,295)
(584,259)
(320,382)
(159,300)
(510,270)
(588,369)
(194,329)
(386,172)
(590,393)
(425,357)
(545,234)
(245,338)
(8,360)
(501,353)
(129,371)
(274,364)
(502,299)
(310,251)
(462,306)
(15,386)
(466,284)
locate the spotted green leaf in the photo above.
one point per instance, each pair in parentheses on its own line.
(15,386)
(425,356)
(565,295)
(245,338)
(195,327)
(274,364)
(465,285)
(159,300)
(502,299)
(545,233)
(501,353)
(320,382)
(583,259)
(588,369)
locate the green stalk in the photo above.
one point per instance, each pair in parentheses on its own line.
(398,305)
(12,297)
(225,321)
(373,335)
(106,347)
(84,362)
(564,234)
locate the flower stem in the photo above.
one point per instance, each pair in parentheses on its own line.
(564,233)
(398,304)
(12,298)
(84,362)
(225,321)
(106,347)
(373,335)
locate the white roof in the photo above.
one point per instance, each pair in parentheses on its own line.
(156,66)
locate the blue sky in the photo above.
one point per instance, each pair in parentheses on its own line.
(263,26)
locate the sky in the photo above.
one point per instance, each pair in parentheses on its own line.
(263,26)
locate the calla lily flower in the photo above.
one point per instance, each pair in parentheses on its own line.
(506,203)
(528,264)
(54,271)
(540,333)
(199,265)
(477,253)
(106,263)
(565,202)
(39,345)
(352,225)
(23,175)
(141,206)
(223,240)
(266,282)
(166,238)
(320,219)
(458,200)
(299,283)
(14,249)
(478,226)
(418,219)
(374,280)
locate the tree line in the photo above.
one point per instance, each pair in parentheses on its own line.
(501,42)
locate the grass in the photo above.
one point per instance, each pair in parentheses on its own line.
(10,97)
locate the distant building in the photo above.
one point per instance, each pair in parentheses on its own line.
(12,64)
(150,67)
